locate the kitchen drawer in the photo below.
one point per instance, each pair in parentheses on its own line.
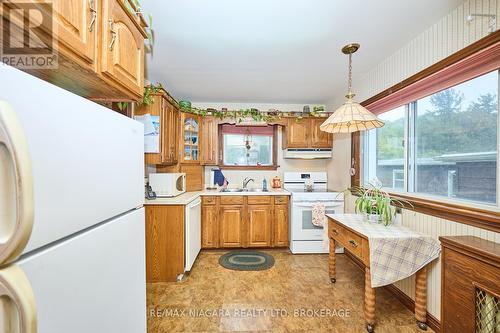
(351,241)
(231,200)
(209,200)
(336,232)
(259,200)
(281,200)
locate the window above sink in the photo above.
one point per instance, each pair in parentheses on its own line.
(248,147)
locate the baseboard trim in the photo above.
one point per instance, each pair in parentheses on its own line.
(432,321)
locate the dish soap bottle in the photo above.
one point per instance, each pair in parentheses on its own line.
(264,184)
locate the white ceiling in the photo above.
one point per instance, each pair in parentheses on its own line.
(276,51)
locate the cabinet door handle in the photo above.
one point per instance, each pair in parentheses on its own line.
(353,243)
(93,13)
(113,35)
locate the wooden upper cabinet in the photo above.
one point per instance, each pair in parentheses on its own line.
(320,139)
(297,135)
(100,47)
(194,176)
(190,138)
(122,47)
(173,133)
(231,226)
(259,225)
(209,227)
(210,141)
(280,225)
(77,28)
(168,133)
(305,133)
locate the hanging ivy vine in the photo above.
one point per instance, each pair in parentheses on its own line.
(238,115)
(253,114)
(149,91)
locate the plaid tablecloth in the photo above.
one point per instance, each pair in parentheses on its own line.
(396,252)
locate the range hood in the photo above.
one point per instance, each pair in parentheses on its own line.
(307,153)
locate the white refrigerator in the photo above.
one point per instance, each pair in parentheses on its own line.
(72,252)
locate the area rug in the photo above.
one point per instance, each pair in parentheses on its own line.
(246,260)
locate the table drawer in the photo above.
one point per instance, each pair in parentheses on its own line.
(281,200)
(259,200)
(349,240)
(209,200)
(231,200)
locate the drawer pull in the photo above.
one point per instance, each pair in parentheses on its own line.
(353,243)
(335,232)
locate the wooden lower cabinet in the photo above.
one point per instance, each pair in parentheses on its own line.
(231,226)
(259,226)
(280,225)
(244,221)
(164,242)
(470,284)
(209,227)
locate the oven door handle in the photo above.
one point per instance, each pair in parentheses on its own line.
(311,205)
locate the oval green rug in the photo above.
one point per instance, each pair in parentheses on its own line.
(246,260)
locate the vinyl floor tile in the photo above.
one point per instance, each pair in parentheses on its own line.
(293,296)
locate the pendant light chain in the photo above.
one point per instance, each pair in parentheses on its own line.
(349,90)
(351,116)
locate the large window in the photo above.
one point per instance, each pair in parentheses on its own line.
(248,146)
(441,145)
(387,147)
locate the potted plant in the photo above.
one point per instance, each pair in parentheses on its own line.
(376,204)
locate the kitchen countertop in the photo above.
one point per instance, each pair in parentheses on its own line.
(186,198)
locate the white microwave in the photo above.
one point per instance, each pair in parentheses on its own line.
(167,184)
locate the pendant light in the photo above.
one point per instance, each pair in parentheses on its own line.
(350,117)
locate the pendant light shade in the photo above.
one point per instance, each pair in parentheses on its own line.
(351,116)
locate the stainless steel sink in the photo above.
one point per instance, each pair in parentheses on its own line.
(256,190)
(236,190)
(232,190)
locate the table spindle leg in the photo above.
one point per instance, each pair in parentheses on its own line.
(332,262)
(369,302)
(421,298)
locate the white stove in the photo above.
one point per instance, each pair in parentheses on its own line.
(309,189)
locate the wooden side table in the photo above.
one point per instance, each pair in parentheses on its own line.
(358,245)
(470,284)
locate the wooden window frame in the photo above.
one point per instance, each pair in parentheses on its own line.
(477,217)
(274,166)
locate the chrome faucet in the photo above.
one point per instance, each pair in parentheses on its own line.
(246,181)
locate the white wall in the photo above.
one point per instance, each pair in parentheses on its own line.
(445,37)
(235,177)
(442,39)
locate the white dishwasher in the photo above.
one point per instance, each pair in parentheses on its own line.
(192,233)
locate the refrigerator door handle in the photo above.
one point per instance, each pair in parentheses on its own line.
(15,231)
(15,287)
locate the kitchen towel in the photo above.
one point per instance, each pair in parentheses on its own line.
(318,215)
(319,220)
(219,177)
